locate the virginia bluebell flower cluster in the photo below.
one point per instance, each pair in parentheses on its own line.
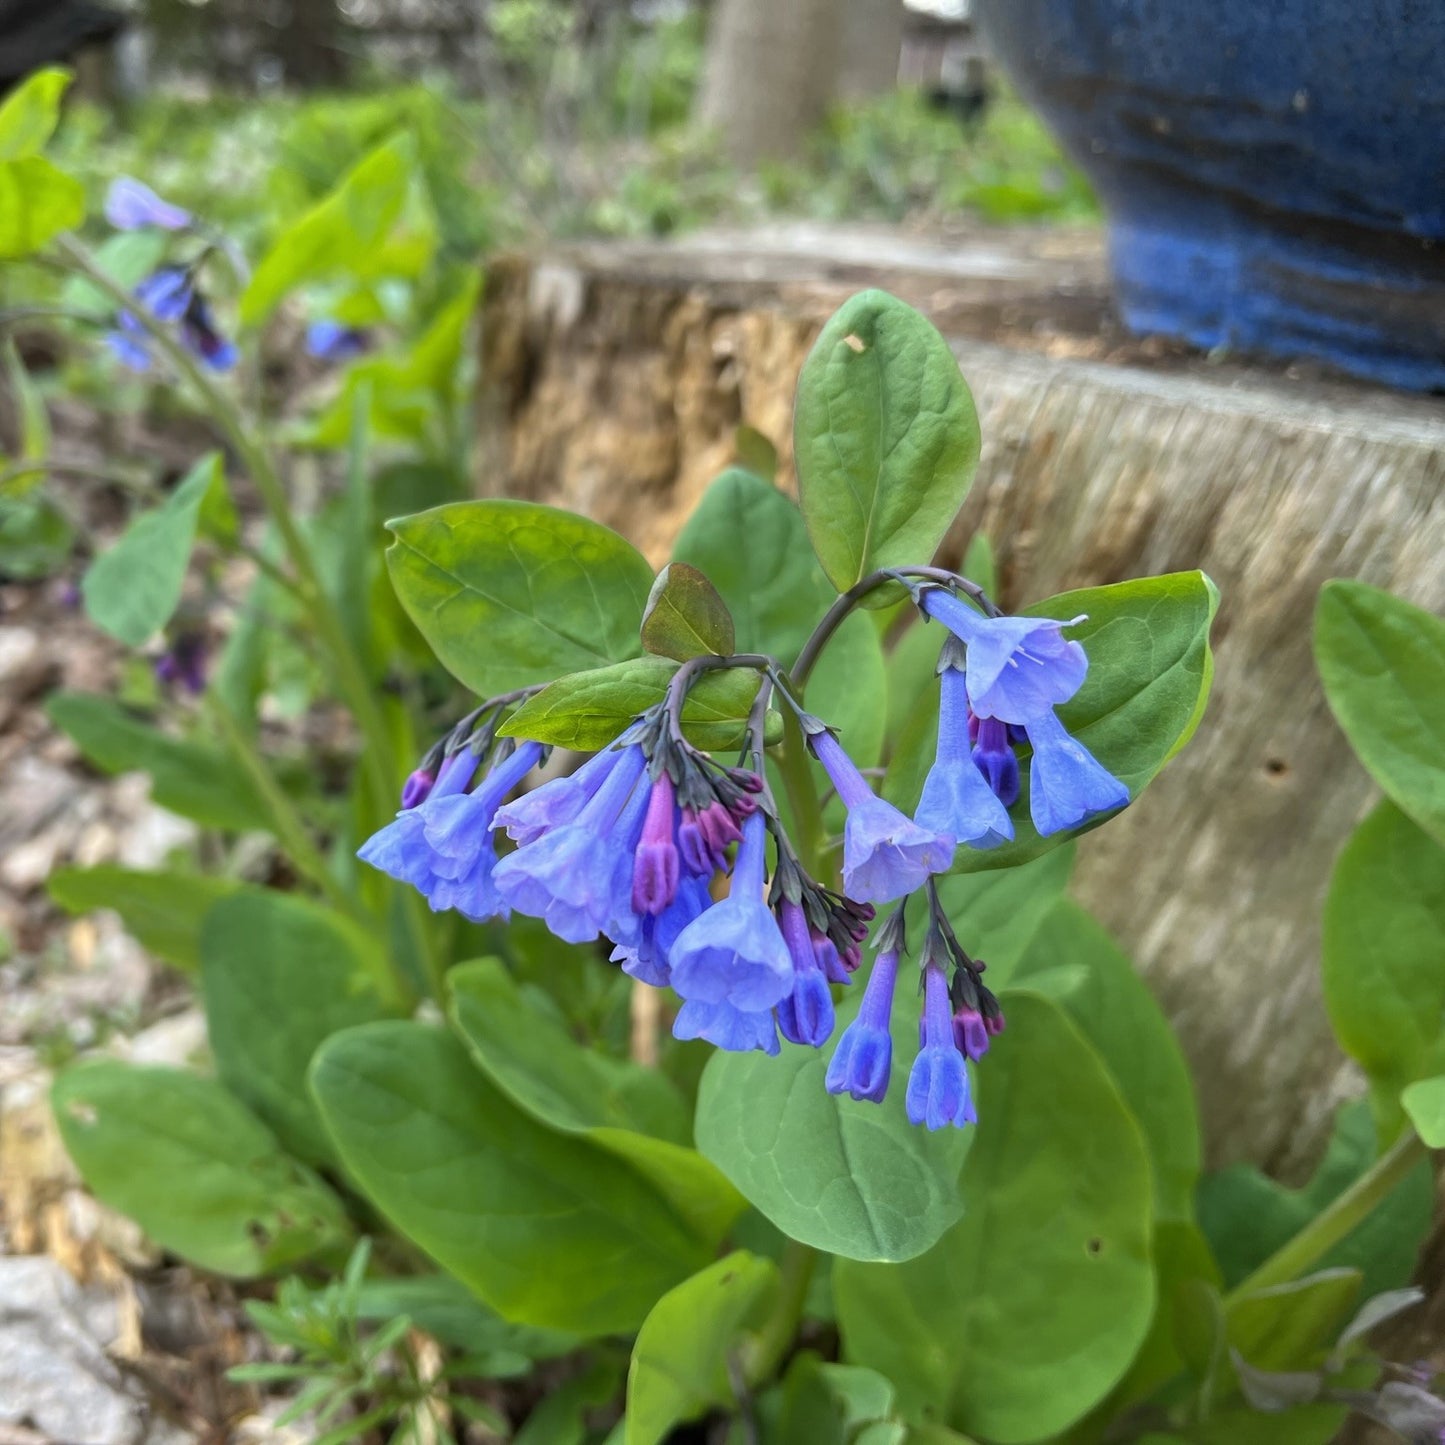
(1001,688)
(683,864)
(170,294)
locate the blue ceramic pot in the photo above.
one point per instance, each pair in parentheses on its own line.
(1274,170)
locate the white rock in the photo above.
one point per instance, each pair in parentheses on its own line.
(54,1372)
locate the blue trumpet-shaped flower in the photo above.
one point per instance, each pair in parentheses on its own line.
(729,1027)
(569,876)
(131,204)
(401,849)
(333,341)
(861,1063)
(1067,783)
(733,953)
(649,957)
(805,1015)
(560,801)
(169,295)
(938,1093)
(886,855)
(957,800)
(1018,667)
(458,829)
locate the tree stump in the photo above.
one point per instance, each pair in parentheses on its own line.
(614,377)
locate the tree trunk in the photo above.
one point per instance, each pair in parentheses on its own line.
(871,41)
(618,375)
(769,75)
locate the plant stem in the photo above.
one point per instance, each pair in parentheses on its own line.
(799,1261)
(1337,1220)
(290,828)
(847,601)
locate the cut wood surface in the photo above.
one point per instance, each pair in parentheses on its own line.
(614,377)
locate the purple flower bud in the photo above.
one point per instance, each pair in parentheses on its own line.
(184,663)
(657,867)
(1018,667)
(956,800)
(131,205)
(837,967)
(861,1063)
(415,790)
(938,1092)
(970,1033)
(719,830)
(1067,783)
(994,757)
(734,952)
(805,1015)
(886,855)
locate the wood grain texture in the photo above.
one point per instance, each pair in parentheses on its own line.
(614,378)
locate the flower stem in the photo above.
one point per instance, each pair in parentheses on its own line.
(1336,1221)
(778,1334)
(847,601)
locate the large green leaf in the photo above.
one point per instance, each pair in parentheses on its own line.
(199,1173)
(854,1178)
(133,587)
(1149,675)
(513,593)
(1030,1309)
(1384,953)
(341,232)
(750,542)
(280,975)
(31,112)
(162,910)
(635,1113)
(532,1058)
(680,1360)
(1247,1216)
(548,1228)
(1382,662)
(189,778)
(587,710)
(37,202)
(885,438)
(1117,1013)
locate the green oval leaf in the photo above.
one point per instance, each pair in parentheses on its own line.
(200,1174)
(587,710)
(164,911)
(280,975)
(189,778)
(1382,662)
(856,1179)
(1030,1309)
(37,202)
(548,1228)
(1424,1102)
(343,231)
(132,588)
(685,617)
(1150,669)
(750,541)
(885,437)
(1383,951)
(512,593)
(679,1367)
(31,112)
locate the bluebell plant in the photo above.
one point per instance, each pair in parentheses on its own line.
(684,864)
(172,293)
